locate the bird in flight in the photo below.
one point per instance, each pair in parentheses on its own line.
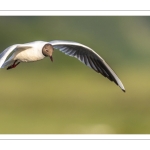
(37,50)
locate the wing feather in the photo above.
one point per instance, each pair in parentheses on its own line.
(5,53)
(89,57)
(10,49)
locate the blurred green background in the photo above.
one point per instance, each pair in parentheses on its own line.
(66,96)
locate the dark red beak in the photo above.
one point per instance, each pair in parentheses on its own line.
(51,58)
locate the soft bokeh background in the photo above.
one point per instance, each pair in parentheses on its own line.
(67,97)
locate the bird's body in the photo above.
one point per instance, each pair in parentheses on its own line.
(38,50)
(27,52)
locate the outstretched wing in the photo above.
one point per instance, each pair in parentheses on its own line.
(89,57)
(5,53)
(11,49)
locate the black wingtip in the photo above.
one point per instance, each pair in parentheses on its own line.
(123,90)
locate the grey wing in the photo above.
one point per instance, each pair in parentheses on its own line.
(5,53)
(89,57)
(10,49)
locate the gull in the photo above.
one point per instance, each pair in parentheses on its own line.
(37,50)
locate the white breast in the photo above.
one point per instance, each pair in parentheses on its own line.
(31,54)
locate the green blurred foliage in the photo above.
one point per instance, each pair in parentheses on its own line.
(66,96)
